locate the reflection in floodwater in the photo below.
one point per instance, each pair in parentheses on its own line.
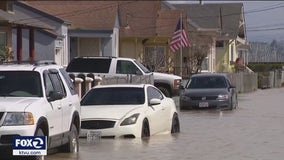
(254,131)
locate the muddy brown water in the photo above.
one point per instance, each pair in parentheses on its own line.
(254,131)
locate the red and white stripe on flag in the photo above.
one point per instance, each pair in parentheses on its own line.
(179,39)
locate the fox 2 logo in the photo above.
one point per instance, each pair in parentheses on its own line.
(30,142)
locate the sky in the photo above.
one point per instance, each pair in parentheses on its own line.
(264,19)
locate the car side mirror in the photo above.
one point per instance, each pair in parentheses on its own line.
(155,101)
(232,86)
(181,87)
(53,96)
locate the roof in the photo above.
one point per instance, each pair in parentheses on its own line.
(167,21)
(101,15)
(207,16)
(19,20)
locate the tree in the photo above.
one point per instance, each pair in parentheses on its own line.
(198,51)
(6,54)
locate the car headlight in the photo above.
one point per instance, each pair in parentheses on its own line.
(18,118)
(223,97)
(130,120)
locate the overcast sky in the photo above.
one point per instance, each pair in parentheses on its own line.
(264,19)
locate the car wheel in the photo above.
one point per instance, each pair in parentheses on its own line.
(175,124)
(145,133)
(73,143)
(38,132)
(165,91)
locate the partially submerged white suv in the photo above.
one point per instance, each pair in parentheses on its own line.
(38,99)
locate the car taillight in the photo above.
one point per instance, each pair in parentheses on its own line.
(177,83)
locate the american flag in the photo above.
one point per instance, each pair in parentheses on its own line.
(179,39)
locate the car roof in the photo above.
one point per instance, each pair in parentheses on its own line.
(209,74)
(27,66)
(122,85)
(103,57)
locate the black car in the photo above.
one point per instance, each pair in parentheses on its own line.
(208,90)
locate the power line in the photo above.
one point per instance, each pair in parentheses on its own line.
(92,9)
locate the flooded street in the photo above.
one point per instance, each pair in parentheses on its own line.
(254,131)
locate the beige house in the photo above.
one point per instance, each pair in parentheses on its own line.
(224,26)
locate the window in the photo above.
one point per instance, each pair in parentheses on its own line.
(10,6)
(114,96)
(155,57)
(3,39)
(68,81)
(127,67)
(232,53)
(53,83)
(220,44)
(154,93)
(48,85)
(20,84)
(205,64)
(90,65)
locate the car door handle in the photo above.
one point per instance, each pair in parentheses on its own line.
(70,104)
(59,107)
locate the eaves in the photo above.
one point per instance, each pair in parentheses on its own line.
(44,14)
(90,33)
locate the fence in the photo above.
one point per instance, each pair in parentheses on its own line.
(244,82)
(271,79)
(85,81)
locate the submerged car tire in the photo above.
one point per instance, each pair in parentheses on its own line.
(73,143)
(175,124)
(38,132)
(145,132)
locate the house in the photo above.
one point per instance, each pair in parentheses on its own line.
(120,28)
(11,33)
(223,25)
(50,43)
(100,28)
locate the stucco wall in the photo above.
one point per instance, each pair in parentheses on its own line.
(44,45)
(89,46)
(131,48)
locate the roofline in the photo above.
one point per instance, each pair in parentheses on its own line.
(19,3)
(169,5)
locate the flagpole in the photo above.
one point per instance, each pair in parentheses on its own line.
(181,47)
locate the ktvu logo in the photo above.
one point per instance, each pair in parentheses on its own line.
(29,145)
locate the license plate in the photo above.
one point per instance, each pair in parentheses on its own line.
(93,135)
(203,104)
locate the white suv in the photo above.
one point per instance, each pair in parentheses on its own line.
(38,99)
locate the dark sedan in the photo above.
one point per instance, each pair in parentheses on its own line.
(208,91)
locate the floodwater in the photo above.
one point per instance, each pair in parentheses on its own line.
(254,131)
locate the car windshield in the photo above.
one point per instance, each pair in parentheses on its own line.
(114,96)
(20,84)
(145,70)
(206,82)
